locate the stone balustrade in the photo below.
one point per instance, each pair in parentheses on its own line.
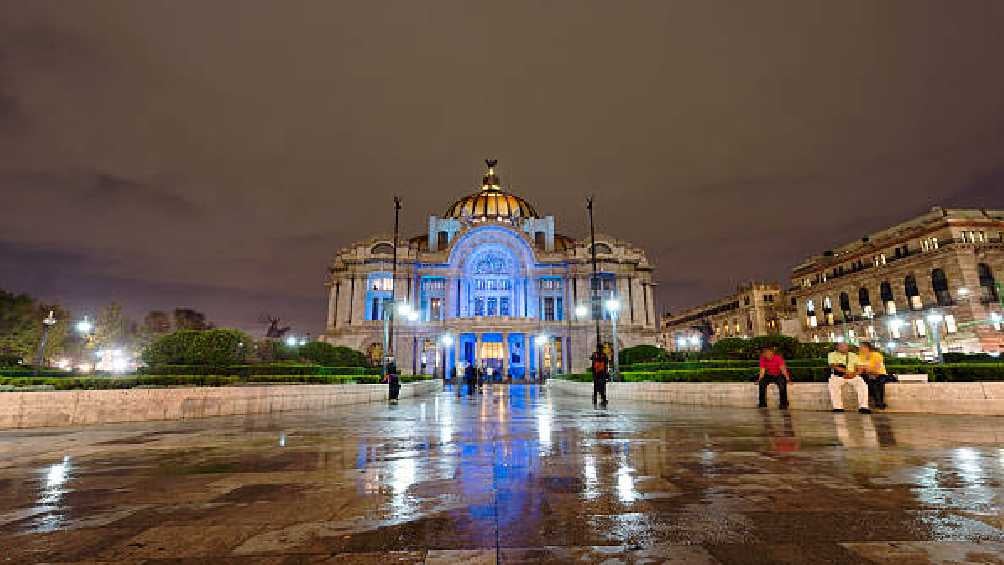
(85,407)
(982,398)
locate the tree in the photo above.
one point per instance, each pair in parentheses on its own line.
(156,322)
(113,329)
(21,327)
(189,319)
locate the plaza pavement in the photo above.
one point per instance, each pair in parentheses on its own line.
(516,475)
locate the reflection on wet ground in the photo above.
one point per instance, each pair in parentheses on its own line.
(512,476)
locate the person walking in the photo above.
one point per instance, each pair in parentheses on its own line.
(601,373)
(393,383)
(871,367)
(844,371)
(773,370)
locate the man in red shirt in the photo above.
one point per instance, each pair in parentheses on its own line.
(773,370)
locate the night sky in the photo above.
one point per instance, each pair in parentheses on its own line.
(217,154)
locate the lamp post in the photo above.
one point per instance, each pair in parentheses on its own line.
(541,341)
(595,283)
(388,350)
(445,341)
(613,307)
(85,328)
(47,324)
(934,319)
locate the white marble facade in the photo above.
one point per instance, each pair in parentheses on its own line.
(495,277)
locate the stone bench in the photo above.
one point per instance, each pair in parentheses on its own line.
(913,378)
(985,398)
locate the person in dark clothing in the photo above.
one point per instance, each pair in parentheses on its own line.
(393,383)
(773,370)
(601,374)
(470,375)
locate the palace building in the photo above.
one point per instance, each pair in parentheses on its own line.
(491,283)
(925,283)
(755,309)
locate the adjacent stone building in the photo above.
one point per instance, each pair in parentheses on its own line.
(755,309)
(935,273)
(492,283)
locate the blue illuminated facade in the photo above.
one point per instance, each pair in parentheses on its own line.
(494,276)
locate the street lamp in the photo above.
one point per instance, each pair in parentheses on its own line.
(933,319)
(995,319)
(581,311)
(47,324)
(84,327)
(446,341)
(613,307)
(541,341)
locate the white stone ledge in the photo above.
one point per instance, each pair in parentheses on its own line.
(982,398)
(85,407)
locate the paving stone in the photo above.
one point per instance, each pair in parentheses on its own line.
(517,475)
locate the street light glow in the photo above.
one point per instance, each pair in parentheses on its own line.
(84,326)
(404,309)
(446,340)
(541,340)
(291,341)
(935,318)
(612,305)
(695,340)
(581,311)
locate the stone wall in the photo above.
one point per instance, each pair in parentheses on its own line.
(984,398)
(83,407)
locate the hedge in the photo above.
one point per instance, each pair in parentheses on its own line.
(264,369)
(79,383)
(958,372)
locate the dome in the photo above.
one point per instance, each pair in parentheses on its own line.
(491,202)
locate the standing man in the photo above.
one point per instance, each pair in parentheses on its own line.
(773,370)
(843,371)
(601,372)
(393,382)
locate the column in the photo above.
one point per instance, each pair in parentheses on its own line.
(622,296)
(650,308)
(345,301)
(638,298)
(359,300)
(505,354)
(477,350)
(332,304)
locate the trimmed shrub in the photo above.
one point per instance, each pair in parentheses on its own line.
(213,348)
(972,358)
(264,369)
(326,354)
(642,354)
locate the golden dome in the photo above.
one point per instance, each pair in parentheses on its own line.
(491,202)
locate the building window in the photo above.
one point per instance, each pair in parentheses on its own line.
(921,328)
(435,308)
(940,284)
(888,301)
(863,297)
(504,306)
(894,331)
(988,285)
(845,305)
(382,249)
(950,325)
(912,292)
(550,283)
(479,306)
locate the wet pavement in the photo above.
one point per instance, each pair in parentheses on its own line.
(512,476)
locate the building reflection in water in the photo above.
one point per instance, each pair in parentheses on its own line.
(53,488)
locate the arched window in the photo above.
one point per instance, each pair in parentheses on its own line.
(810,308)
(888,300)
(988,286)
(939,282)
(827,305)
(886,291)
(382,249)
(845,304)
(603,248)
(912,292)
(863,298)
